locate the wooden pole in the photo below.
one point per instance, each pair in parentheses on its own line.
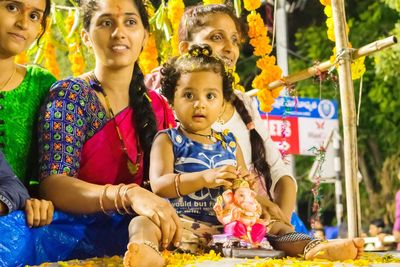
(324,66)
(348,108)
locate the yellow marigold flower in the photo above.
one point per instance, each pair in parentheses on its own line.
(357,68)
(328,11)
(276,92)
(210,2)
(250,5)
(175,11)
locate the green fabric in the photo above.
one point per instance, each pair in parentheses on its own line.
(19,111)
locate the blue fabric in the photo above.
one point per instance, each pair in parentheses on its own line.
(298,224)
(67,237)
(191,156)
(12,192)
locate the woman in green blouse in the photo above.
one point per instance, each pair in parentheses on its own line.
(22,88)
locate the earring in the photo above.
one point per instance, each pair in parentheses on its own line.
(220,120)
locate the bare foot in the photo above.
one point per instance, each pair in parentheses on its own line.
(338,250)
(141,255)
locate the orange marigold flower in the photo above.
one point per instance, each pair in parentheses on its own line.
(265,62)
(256,25)
(260,46)
(325,2)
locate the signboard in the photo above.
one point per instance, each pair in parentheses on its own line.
(309,121)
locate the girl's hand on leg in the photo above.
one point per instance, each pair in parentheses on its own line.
(38,212)
(158,210)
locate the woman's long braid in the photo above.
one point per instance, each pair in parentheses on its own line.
(143,118)
(258,153)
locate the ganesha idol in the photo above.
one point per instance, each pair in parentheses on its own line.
(238,210)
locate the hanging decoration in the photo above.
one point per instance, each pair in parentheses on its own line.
(175,9)
(74,43)
(267,63)
(319,153)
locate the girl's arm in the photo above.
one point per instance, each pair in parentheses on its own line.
(162,176)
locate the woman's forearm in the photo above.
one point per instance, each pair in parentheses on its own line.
(76,196)
(285,195)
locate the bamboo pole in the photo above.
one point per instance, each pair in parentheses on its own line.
(326,65)
(348,108)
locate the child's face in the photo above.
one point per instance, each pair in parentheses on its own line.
(221,35)
(198,100)
(20,24)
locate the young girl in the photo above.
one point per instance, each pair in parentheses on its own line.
(218,26)
(190,164)
(22,89)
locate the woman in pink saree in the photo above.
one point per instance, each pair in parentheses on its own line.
(96,132)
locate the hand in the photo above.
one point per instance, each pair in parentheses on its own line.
(157,209)
(273,210)
(219,176)
(38,212)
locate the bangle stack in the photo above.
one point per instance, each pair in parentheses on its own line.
(177,183)
(119,198)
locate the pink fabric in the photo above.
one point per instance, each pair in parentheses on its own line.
(239,230)
(396,226)
(103,161)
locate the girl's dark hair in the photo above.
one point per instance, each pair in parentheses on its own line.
(43,23)
(196,17)
(197,59)
(258,152)
(89,7)
(143,118)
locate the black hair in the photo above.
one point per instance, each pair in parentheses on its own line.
(198,59)
(43,23)
(143,118)
(258,152)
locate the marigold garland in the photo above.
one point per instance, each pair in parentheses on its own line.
(148,59)
(175,10)
(357,65)
(270,72)
(75,55)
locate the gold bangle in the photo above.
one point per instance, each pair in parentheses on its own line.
(117,195)
(128,210)
(177,183)
(102,195)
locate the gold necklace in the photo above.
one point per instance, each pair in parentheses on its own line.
(210,136)
(9,79)
(133,168)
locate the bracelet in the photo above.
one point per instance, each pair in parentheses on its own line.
(117,195)
(102,195)
(128,210)
(177,183)
(312,244)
